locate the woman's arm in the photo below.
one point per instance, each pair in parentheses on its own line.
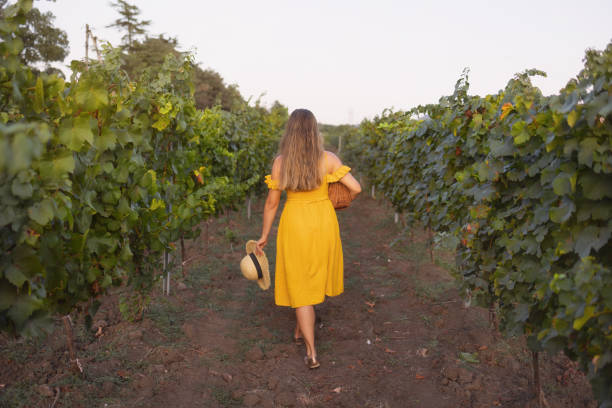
(270,208)
(334,163)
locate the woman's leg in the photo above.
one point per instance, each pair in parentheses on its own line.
(297,334)
(306,319)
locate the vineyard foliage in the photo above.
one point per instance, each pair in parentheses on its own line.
(99,175)
(525,182)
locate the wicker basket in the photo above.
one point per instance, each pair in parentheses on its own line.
(339,195)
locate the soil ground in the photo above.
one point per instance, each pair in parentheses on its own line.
(400,336)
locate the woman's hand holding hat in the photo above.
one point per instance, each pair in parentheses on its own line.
(261,244)
(255,266)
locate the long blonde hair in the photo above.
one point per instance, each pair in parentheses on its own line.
(301,148)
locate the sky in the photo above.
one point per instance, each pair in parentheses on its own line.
(347,60)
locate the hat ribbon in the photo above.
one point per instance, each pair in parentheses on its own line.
(257,266)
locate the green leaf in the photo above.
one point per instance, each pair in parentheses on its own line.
(596,186)
(39,96)
(57,168)
(572,118)
(74,133)
(521,312)
(21,152)
(8,295)
(519,132)
(148,179)
(39,324)
(563,212)
(585,153)
(42,212)
(63,164)
(589,311)
(7,216)
(161,123)
(106,281)
(562,184)
(570,102)
(23,308)
(106,141)
(605,110)
(102,245)
(596,210)
(166,108)
(590,237)
(91,95)
(156,203)
(502,147)
(15,276)
(126,252)
(22,190)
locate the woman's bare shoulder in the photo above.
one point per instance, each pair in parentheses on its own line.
(333,161)
(276,166)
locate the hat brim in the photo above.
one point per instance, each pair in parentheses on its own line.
(264,282)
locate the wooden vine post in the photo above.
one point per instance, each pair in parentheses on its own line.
(183,256)
(166,273)
(74,361)
(249,208)
(537,384)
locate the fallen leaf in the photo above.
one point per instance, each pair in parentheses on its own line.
(337,390)
(419,377)
(497,403)
(482,348)
(469,357)
(123,374)
(388,350)
(351,366)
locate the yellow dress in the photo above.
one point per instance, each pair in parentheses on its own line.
(309,262)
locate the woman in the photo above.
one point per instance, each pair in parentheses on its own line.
(309,263)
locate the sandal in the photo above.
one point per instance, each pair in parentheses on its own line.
(311,363)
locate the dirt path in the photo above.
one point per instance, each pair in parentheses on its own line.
(399,336)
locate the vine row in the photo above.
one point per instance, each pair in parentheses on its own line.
(101,174)
(525,182)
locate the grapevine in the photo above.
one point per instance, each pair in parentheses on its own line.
(525,182)
(102,174)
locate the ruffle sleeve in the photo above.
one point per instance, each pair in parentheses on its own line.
(338,174)
(272,184)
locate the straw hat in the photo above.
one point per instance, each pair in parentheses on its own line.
(255,267)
